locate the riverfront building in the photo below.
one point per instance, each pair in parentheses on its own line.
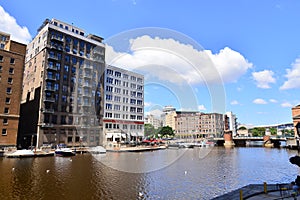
(167,119)
(62,87)
(187,124)
(211,125)
(123,118)
(231,123)
(296,120)
(154,121)
(12,56)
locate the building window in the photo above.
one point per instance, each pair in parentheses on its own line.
(12,61)
(4,131)
(6,110)
(118,74)
(11,70)
(5,121)
(1,58)
(108,106)
(7,100)
(109,80)
(9,80)
(8,90)
(1,68)
(133,78)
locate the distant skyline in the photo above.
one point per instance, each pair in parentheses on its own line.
(204,54)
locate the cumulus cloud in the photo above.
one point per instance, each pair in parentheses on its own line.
(264,78)
(8,24)
(234,102)
(273,100)
(230,64)
(293,76)
(259,101)
(286,105)
(201,108)
(176,62)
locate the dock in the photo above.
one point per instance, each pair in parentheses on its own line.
(259,191)
(135,149)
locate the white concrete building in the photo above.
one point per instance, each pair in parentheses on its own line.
(232,123)
(123,118)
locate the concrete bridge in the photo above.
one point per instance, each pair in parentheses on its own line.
(241,141)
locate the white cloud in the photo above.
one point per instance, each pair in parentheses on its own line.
(155,112)
(230,64)
(293,76)
(286,105)
(170,60)
(273,101)
(8,24)
(147,104)
(259,101)
(201,107)
(263,78)
(234,102)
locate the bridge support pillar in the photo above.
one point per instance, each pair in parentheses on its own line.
(267,141)
(228,139)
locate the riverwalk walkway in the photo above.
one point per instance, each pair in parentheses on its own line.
(259,191)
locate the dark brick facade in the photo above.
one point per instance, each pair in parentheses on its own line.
(11,76)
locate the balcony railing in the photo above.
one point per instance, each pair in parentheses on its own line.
(52,57)
(49,88)
(49,99)
(86,104)
(51,67)
(88,67)
(60,39)
(87,85)
(51,78)
(87,94)
(48,110)
(57,47)
(46,125)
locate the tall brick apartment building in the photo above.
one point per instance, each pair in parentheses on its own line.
(62,87)
(12,56)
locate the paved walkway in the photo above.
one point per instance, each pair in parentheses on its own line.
(256,192)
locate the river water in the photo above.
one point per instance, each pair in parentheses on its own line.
(190,174)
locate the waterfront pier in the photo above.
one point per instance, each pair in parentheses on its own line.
(259,191)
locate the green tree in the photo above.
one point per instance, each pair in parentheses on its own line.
(273,131)
(166,131)
(242,128)
(258,131)
(149,130)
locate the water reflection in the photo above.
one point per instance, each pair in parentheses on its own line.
(191,176)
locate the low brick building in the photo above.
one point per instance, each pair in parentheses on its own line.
(296,119)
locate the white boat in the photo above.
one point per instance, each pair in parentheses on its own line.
(64,152)
(97,150)
(21,154)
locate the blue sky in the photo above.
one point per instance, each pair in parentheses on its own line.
(254,46)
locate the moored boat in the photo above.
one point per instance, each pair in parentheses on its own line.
(97,150)
(64,152)
(21,154)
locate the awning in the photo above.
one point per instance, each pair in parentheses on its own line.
(117,135)
(133,134)
(108,135)
(124,135)
(140,134)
